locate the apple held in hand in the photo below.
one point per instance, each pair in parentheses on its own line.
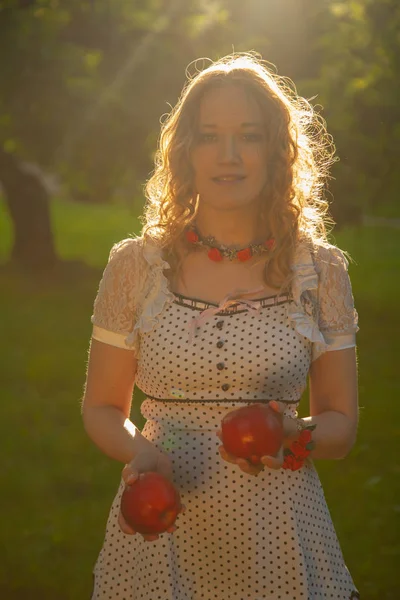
(252,432)
(150,504)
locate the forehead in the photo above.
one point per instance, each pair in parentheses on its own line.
(228,105)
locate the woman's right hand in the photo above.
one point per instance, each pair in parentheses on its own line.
(148,460)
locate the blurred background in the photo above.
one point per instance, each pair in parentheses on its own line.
(83,86)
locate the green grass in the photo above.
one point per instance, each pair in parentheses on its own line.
(57,487)
(82,232)
(363,491)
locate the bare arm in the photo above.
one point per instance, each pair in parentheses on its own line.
(333,375)
(107,402)
(333,408)
(334,403)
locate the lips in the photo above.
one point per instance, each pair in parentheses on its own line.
(228,178)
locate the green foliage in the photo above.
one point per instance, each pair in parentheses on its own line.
(84,83)
(359,48)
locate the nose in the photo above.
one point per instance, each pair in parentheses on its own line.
(228,151)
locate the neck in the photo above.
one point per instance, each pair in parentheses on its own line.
(230,229)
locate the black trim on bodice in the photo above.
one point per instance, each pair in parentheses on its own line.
(221,400)
(201,305)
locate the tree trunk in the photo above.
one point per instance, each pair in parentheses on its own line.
(28,204)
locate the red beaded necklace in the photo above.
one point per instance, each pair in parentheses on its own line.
(218,252)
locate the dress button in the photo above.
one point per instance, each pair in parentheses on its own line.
(220,366)
(225,387)
(220,324)
(220,343)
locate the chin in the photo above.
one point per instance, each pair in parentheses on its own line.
(228,200)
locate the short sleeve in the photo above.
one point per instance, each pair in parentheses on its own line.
(337,316)
(114,309)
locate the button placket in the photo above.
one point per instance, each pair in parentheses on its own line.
(221,365)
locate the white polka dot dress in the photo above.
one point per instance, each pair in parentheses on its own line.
(241,537)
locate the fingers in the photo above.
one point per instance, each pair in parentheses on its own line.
(150,538)
(226,456)
(277,406)
(129,474)
(129,531)
(145,462)
(223,453)
(248,468)
(164,466)
(175,527)
(125,528)
(124,525)
(242,463)
(273,462)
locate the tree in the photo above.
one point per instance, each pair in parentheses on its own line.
(84,83)
(71,100)
(33,110)
(28,204)
(359,49)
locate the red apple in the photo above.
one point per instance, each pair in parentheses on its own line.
(150,504)
(252,432)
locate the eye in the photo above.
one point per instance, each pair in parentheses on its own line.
(206,138)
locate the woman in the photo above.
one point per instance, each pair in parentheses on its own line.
(230,296)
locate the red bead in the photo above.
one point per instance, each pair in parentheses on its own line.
(297,464)
(215,255)
(299,451)
(305,437)
(288,461)
(292,463)
(192,236)
(270,244)
(244,254)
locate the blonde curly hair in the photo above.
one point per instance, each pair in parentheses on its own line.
(301,154)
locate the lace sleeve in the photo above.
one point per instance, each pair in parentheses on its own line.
(114,307)
(337,319)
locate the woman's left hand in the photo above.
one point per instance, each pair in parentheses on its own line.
(273,462)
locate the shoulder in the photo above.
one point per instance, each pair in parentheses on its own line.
(320,265)
(328,258)
(127,256)
(124,268)
(319,256)
(125,249)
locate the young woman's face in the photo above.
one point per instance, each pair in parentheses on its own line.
(229,157)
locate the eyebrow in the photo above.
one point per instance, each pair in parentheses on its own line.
(243,125)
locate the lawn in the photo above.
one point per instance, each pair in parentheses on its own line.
(57,487)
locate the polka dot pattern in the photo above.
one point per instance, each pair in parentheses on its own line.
(241,537)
